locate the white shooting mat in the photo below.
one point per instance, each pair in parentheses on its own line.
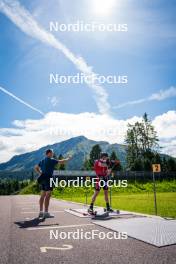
(156,231)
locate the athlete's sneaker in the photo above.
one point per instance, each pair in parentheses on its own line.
(109,210)
(40,215)
(91,211)
(47,215)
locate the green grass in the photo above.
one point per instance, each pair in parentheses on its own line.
(32,188)
(136,197)
(143,202)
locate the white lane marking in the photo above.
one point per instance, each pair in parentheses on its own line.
(56,226)
(23,204)
(35,212)
(65,247)
(29,208)
(26,208)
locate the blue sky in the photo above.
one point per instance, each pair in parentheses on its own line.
(146,54)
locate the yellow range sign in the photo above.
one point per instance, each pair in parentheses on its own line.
(156,167)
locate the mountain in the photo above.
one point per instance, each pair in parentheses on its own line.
(78,147)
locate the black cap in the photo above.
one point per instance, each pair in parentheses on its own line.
(103,154)
(48,151)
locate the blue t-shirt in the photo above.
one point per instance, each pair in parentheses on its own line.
(47,165)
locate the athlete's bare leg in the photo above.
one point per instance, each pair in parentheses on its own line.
(47,200)
(41,201)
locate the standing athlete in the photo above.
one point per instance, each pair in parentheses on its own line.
(45,169)
(102,172)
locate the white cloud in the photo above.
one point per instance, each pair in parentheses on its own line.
(20,150)
(56,127)
(3,146)
(163,94)
(165,124)
(159,96)
(24,20)
(169,146)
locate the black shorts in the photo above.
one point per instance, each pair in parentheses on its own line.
(103,183)
(45,186)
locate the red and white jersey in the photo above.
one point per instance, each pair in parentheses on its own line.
(101,168)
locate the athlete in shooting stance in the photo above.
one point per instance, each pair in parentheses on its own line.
(102,172)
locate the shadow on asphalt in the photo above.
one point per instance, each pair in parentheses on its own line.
(30,223)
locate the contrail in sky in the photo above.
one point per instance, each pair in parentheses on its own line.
(158,96)
(25,21)
(20,100)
